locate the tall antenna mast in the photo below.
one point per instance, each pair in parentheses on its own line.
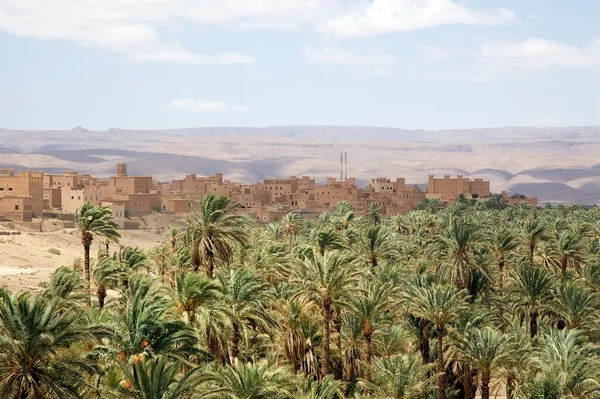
(341,166)
(346,165)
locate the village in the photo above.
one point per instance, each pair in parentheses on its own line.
(28,194)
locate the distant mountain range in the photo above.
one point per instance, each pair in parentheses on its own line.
(555,164)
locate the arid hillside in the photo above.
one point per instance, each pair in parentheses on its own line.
(555,164)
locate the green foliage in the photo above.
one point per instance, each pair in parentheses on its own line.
(445,302)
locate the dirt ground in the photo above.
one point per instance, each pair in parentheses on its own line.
(28,257)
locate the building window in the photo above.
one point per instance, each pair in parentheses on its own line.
(16,207)
(72,197)
(10,189)
(79,198)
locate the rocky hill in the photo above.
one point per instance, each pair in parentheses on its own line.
(555,164)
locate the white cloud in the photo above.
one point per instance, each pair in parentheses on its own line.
(538,54)
(148,27)
(331,55)
(389,16)
(187,104)
(435,52)
(192,58)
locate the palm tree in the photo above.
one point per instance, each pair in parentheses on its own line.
(569,251)
(250,381)
(374,213)
(174,234)
(441,304)
(66,284)
(456,247)
(214,230)
(326,281)
(497,202)
(325,239)
(570,363)
(531,289)
(94,221)
(328,388)
(375,244)
(574,305)
(191,291)
(157,378)
(36,336)
(534,232)
(400,377)
(109,274)
(292,224)
(372,309)
(146,326)
(486,350)
(503,243)
(244,296)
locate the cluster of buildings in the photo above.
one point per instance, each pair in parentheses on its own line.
(27,194)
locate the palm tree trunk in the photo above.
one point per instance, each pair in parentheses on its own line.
(210,266)
(235,341)
(531,252)
(441,367)
(337,327)
(468,384)
(86,268)
(195,256)
(101,294)
(533,326)
(501,263)
(326,322)
(424,344)
(510,387)
(367,349)
(107,248)
(485,385)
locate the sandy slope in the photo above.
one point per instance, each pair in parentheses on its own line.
(25,261)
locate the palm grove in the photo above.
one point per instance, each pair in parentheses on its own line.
(474,299)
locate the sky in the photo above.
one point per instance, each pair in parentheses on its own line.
(428,64)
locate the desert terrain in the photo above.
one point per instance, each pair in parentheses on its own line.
(28,257)
(554,164)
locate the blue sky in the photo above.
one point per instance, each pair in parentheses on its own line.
(431,64)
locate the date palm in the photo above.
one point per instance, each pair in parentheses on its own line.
(191,291)
(486,350)
(574,305)
(374,213)
(158,378)
(326,281)
(94,221)
(145,324)
(108,274)
(372,309)
(36,336)
(531,289)
(326,239)
(400,377)
(250,381)
(375,244)
(570,362)
(292,224)
(455,247)
(244,296)
(503,243)
(214,230)
(534,232)
(174,235)
(441,304)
